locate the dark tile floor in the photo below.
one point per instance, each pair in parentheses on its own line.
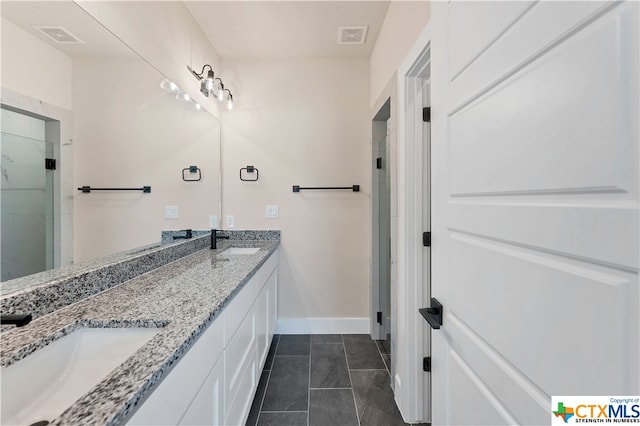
(324,380)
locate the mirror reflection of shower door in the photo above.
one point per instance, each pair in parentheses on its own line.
(384,223)
(382,305)
(26,199)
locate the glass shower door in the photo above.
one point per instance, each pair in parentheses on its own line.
(384,260)
(26,206)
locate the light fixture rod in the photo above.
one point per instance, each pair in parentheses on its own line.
(208,91)
(198,76)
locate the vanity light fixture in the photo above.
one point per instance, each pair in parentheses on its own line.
(212,86)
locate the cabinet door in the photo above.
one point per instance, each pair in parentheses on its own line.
(238,356)
(272,285)
(262,326)
(207,408)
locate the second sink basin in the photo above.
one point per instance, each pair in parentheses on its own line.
(44,384)
(240,250)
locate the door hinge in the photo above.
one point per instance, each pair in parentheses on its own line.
(426,363)
(426,239)
(426,114)
(50,163)
(379,163)
(379,317)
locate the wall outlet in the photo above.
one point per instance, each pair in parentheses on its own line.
(271,212)
(230,221)
(213,221)
(170,212)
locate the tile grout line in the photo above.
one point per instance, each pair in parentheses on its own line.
(353,394)
(264,395)
(368,369)
(289,356)
(383,361)
(266,385)
(329,388)
(309,386)
(387,369)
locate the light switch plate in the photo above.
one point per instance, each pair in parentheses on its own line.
(230,221)
(170,212)
(271,212)
(213,221)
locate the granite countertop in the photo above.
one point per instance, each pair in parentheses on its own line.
(181,297)
(44,278)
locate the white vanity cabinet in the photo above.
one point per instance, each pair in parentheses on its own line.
(214,383)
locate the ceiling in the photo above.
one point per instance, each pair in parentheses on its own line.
(97,40)
(237,29)
(287,29)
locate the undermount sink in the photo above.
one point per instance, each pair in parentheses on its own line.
(240,250)
(44,384)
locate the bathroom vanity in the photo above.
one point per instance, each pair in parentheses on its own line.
(215,313)
(214,382)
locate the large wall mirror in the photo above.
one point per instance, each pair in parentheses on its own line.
(96,107)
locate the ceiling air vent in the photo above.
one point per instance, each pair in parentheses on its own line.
(59,35)
(352,35)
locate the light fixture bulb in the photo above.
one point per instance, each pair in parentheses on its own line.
(203,88)
(209,81)
(197,106)
(183,97)
(217,88)
(169,86)
(223,95)
(229,102)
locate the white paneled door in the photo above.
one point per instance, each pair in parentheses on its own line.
(535,215)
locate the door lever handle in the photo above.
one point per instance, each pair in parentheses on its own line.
(433,314)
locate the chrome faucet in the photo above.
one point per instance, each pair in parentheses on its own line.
(19,320)
(215,237)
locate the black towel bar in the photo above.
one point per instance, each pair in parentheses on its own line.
(88,189)
(298,188)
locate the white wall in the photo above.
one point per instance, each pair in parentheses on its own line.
(404,21)
(129,133)
(43,74)
(165,34)
(305,122)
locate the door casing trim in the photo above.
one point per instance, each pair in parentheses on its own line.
(409,378)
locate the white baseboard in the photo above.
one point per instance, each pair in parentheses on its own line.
(322,326)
